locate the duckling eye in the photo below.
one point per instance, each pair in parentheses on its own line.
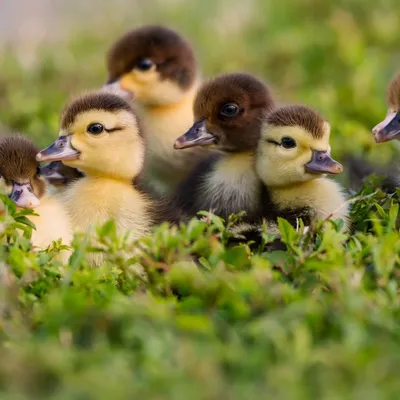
(145,64)
(95,129)
(288,143)
(230,110)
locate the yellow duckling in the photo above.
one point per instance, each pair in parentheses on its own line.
(293,159)
(158,68)
(101,135)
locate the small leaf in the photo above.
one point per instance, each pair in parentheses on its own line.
(23,220)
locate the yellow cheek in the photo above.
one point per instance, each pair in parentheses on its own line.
(128,83)
(82,144)
(76,142)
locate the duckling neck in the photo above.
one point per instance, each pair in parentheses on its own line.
(110,176)
(286,196)
(232,186)
(176,107)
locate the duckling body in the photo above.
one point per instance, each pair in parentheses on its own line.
(116,200)
(229,111)
(52,223)
(222,185)
(318,199)
(158,68)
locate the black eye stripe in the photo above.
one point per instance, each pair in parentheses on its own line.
(273,142)
(117,128)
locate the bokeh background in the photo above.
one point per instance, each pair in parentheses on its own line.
(336,56)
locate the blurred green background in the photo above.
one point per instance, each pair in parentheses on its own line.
(336,56)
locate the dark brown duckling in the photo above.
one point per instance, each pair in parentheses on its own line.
(229,112)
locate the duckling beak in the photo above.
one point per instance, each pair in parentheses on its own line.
(323,163)
(114,86)
(23,196)
(388,129)
(60,150)
(197,135)
(52,175)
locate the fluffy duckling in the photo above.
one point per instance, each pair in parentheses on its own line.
(101,135)
(292,160)
(229,112)
(389,128)
(60,175)
(20,176)
(158,68)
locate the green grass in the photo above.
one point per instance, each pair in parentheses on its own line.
(207,320)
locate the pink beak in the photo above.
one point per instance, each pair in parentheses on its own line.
(23,196)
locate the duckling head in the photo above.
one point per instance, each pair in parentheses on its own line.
(20,175)
(100,134)
(294,147)
(59,174)
(389,128)
(229,112)
(154,64)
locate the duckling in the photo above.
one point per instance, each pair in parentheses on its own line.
(229,112)
(59,175)
(101,135)
(21,177)
(389,128)
(293,158)
(156,66)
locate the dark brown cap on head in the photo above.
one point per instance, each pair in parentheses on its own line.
(301,116)
(17,158)
(172,54)
(103,101)
(252,100)
(393,94)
